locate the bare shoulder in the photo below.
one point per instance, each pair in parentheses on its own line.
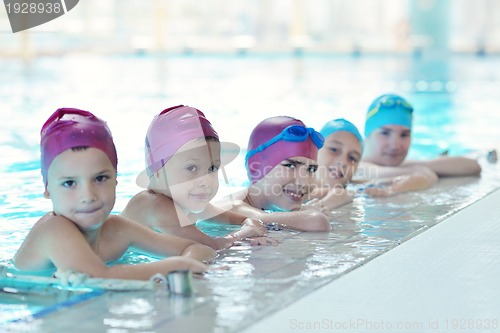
(151,209)
(52,225)
(118,223)
(120,229)
(45,233)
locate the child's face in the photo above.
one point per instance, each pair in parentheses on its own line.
(81,185)
(388,145)
(192,176)
(287,185)
(339,158)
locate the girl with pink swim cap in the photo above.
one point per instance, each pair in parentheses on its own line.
(183,157)
(78,162)
(280,163)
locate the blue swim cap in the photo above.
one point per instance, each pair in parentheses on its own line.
(388,109)
(340,124)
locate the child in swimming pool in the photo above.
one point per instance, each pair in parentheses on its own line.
(79,163)
(183,157)
(281,162)
(387,141)
(338,161)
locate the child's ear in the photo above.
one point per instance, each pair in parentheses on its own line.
(46,194)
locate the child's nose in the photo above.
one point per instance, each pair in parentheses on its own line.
(302,176)
(88,193)
(206,180)
(394,142)
(342,162)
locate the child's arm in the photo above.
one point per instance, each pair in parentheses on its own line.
(222,215)
(250,227)
(160,213)
(309,219)
(420,180)
(368,171)
(143,238)
(147,270)
(55,240)
(450,166)
(327,199)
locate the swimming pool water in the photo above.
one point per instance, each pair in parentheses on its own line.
(455,108)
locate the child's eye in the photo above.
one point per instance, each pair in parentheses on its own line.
(213,168)
(101,178)
(312,168)
(353,159)
(192,168)
(405,135)
(289,165)
(333,149)
(69,183)
(385,133)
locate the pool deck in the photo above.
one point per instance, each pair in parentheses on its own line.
(417,262)
(445,279)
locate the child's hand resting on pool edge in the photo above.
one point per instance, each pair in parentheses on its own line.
(263,241)
(252,228)
(254,232)
(419,180)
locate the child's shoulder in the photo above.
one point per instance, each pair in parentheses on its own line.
(52,221)
(148,208)
(51,227)
(150,198)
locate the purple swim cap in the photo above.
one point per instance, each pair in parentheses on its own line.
(69,128)
(260,162)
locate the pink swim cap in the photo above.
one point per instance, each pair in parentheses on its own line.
(171,129)
(69,128)
(262,158)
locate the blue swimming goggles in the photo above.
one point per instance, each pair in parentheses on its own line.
(293,133)
(389,102)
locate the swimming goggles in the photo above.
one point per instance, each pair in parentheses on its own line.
(293,133)
(390,102)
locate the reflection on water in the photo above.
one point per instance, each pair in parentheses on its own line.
(236,93)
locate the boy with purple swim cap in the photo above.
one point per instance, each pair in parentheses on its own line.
(78,162)
(183,156)
(69,128)
(280,163)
